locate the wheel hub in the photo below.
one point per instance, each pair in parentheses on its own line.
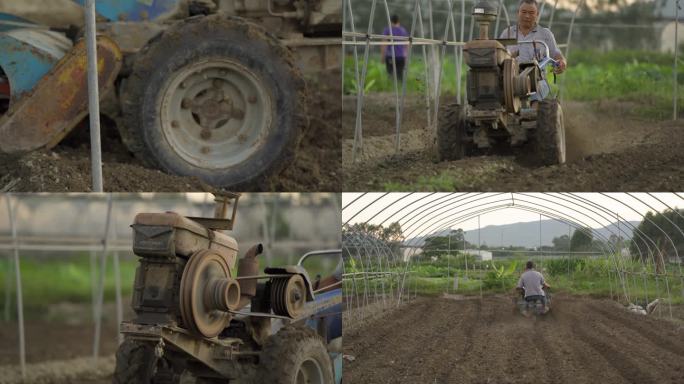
(216,113)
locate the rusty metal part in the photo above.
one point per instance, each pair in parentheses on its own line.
(523,83)
(510,73)
(59,101)
(288,296)
(249,266)
(315,55)
(170,234)
(485,53)
(204,298)
(220,221)
(213,353)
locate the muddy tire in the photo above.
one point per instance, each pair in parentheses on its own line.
(218,98)
(296,355)
(549,141)
(451,133)
(136,363)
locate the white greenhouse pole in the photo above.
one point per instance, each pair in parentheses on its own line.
(100,293)
(93,97)
(20,302)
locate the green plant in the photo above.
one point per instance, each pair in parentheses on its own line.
(501,276)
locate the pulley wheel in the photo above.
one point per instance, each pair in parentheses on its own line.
(510,72)
(288,296)
(200,275)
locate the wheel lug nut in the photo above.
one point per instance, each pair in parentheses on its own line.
(206,135)
(217,83)
(175,124)
(186,103)
(205,150)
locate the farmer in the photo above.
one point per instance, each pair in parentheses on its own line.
(399,50)
(527,30)
(532,285)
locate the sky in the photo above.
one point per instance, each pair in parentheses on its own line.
(361,208)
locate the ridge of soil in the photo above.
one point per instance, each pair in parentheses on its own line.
(582,340)
(609,149)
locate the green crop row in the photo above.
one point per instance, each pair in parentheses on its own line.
(585,276)
(637,76)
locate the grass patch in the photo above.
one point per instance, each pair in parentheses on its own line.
(625,75)
(46,281)
(441,182)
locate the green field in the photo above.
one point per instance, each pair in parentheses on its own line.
(581,276)
(51,280)
(47,281)
(633,76)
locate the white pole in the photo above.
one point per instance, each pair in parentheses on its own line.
(8,287)
(674,71)
(103,267)
(20,302)
(117,285)
(93,97)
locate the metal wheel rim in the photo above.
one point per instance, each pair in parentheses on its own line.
(215,113)
(309,372)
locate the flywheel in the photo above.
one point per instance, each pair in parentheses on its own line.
(207,292)
(510,73)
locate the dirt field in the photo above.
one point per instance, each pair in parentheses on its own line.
(608,146)
(66,168)
(59,350)
(444,340)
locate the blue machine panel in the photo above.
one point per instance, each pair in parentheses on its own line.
(133,10)
(28,54)
(9,22)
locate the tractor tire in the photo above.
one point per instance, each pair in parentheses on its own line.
(136,363)
(218,98)
(450,133)
(295,355)
(549,141)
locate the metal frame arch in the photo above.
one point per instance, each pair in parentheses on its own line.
(560,196)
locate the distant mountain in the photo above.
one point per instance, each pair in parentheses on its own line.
(527,234)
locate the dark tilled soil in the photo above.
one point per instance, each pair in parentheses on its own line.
(441,340)
(609,149)
(47,341)
(66,168)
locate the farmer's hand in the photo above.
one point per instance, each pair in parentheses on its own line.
(560,67)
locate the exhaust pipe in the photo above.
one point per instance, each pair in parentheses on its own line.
(249,266)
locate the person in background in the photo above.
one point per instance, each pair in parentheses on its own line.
(399,50)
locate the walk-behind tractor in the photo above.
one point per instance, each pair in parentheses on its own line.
(499,114)
(200,318)
(532,306)
(207,88)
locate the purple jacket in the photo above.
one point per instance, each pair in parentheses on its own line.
(399,50)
